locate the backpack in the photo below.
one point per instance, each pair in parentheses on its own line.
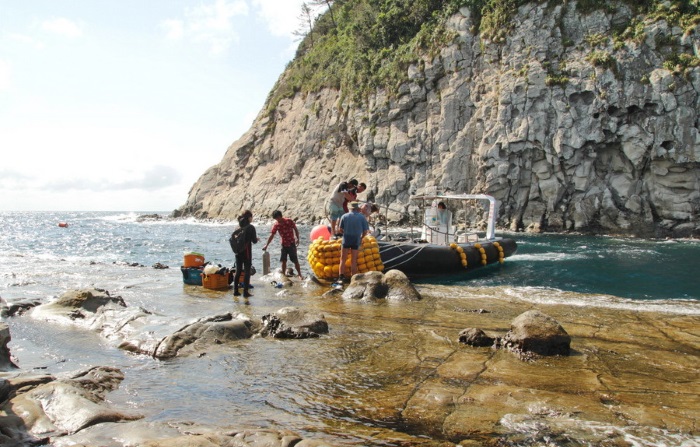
(237,241)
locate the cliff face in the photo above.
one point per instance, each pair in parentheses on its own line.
(568,130)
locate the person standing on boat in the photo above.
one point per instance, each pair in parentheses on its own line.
(290,240)
(352,193)
(337,201)
(244,259)
(354,227)
(444,216)
(368,209)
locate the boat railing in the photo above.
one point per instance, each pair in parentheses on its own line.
(416,229)
(466,236)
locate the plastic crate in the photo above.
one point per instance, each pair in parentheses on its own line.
(193,260)
(191,275)
(215,281)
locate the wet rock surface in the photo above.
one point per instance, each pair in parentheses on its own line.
(401,377)
(42,407)
(133,328)
(205,332)
(484,396)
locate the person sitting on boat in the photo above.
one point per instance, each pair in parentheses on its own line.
(354,227)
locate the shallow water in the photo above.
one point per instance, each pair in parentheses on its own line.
(317,387)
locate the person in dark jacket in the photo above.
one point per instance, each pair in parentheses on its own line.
(244,259)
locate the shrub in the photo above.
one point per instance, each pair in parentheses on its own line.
(679,63)
(601,59)
(369,44)
(560,80)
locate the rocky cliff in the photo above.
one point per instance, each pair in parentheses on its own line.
(570,129)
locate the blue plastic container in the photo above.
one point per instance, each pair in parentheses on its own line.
(192,275)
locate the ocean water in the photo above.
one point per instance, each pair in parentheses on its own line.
(32,243)
(116,251)
(655,274)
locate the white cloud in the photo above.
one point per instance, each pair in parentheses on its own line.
(153,178)
(62,27)
(27,40)
(282,17)
(209,24)
(174,29)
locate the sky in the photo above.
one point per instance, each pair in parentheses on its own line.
(121,105)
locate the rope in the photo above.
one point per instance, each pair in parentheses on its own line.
(417,250)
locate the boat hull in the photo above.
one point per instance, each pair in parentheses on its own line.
(420,260)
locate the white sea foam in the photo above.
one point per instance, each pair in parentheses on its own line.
(543,423)
(121,217)
(545,295)
(132,217)
(549,256)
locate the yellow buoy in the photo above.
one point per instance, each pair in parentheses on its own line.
(324,257)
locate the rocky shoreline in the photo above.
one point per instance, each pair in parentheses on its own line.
(628,374)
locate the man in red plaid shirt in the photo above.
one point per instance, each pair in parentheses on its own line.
(290,239)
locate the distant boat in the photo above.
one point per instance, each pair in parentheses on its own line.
(63,224)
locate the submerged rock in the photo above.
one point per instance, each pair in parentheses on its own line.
(206,331)
(292,322)
(78,304)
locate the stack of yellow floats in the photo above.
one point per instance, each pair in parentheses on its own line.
(324,257)
(461,253)
(482,253)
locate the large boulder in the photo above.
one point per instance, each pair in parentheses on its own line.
(292,322)
(538,333)
(392,286)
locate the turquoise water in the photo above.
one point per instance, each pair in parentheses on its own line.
(627,268)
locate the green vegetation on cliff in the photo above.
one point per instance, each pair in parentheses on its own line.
(358,46)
